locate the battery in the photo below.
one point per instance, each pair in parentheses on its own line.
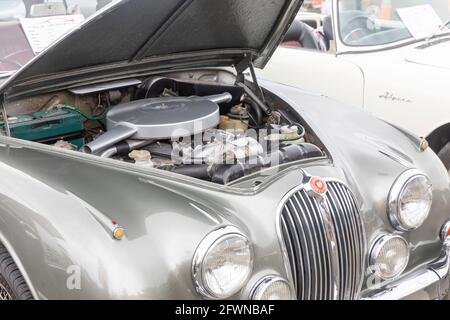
(49,127)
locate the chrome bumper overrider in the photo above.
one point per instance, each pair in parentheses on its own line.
(434,276)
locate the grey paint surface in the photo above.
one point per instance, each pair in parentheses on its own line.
(49,199)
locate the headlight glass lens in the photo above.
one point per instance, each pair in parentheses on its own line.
(224,265)
(272,288)
(389,256)
(410,201)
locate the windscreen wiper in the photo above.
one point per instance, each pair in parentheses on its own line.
(439,29)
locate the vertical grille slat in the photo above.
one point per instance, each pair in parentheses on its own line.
(352,226)
(323,249)
(310,264)
(306,239)
(303,260)
(316,248)
(359,235)
(348,232)
(342,236)
(291,249)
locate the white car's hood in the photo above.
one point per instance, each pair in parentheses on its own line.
(435,55)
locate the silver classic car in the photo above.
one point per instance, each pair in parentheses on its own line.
(140,158)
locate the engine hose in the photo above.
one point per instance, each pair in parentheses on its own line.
(199,171)
(256,111)
(124,147)
(224,174)
(255,98)
(93,118)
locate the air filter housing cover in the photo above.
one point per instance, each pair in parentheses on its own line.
(160,118)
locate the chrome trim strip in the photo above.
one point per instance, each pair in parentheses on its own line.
(333,244)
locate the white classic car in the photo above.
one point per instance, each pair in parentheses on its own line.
(391,57)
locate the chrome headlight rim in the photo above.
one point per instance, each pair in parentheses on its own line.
(397,189)
(262,284)
(201,252)
(374,252)
(445,231)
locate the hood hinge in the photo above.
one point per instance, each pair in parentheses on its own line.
(243,65)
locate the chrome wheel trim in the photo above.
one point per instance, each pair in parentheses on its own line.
(4,294)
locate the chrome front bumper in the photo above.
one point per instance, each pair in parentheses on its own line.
(432,281)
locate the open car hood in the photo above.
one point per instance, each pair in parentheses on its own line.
(135,37)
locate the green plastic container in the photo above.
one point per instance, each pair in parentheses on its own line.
(48,127)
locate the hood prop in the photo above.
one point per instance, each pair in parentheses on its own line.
(244,64)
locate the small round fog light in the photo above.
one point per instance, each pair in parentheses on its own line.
(272,288)
(389,256)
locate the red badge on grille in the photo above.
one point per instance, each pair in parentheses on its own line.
(318,185)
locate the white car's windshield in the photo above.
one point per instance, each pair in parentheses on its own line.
(380,22)
(28,26)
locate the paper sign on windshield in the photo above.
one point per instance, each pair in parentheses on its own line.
(41,32)
(422,21)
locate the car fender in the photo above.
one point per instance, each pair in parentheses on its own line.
(298,68)
(52,226)
(409,95)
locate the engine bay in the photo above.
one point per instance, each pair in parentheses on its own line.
(204,125)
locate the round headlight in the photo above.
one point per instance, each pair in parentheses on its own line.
(222,263)
(272,288)
(389,256)
(410,200)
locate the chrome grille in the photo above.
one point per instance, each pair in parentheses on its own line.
(304,233)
